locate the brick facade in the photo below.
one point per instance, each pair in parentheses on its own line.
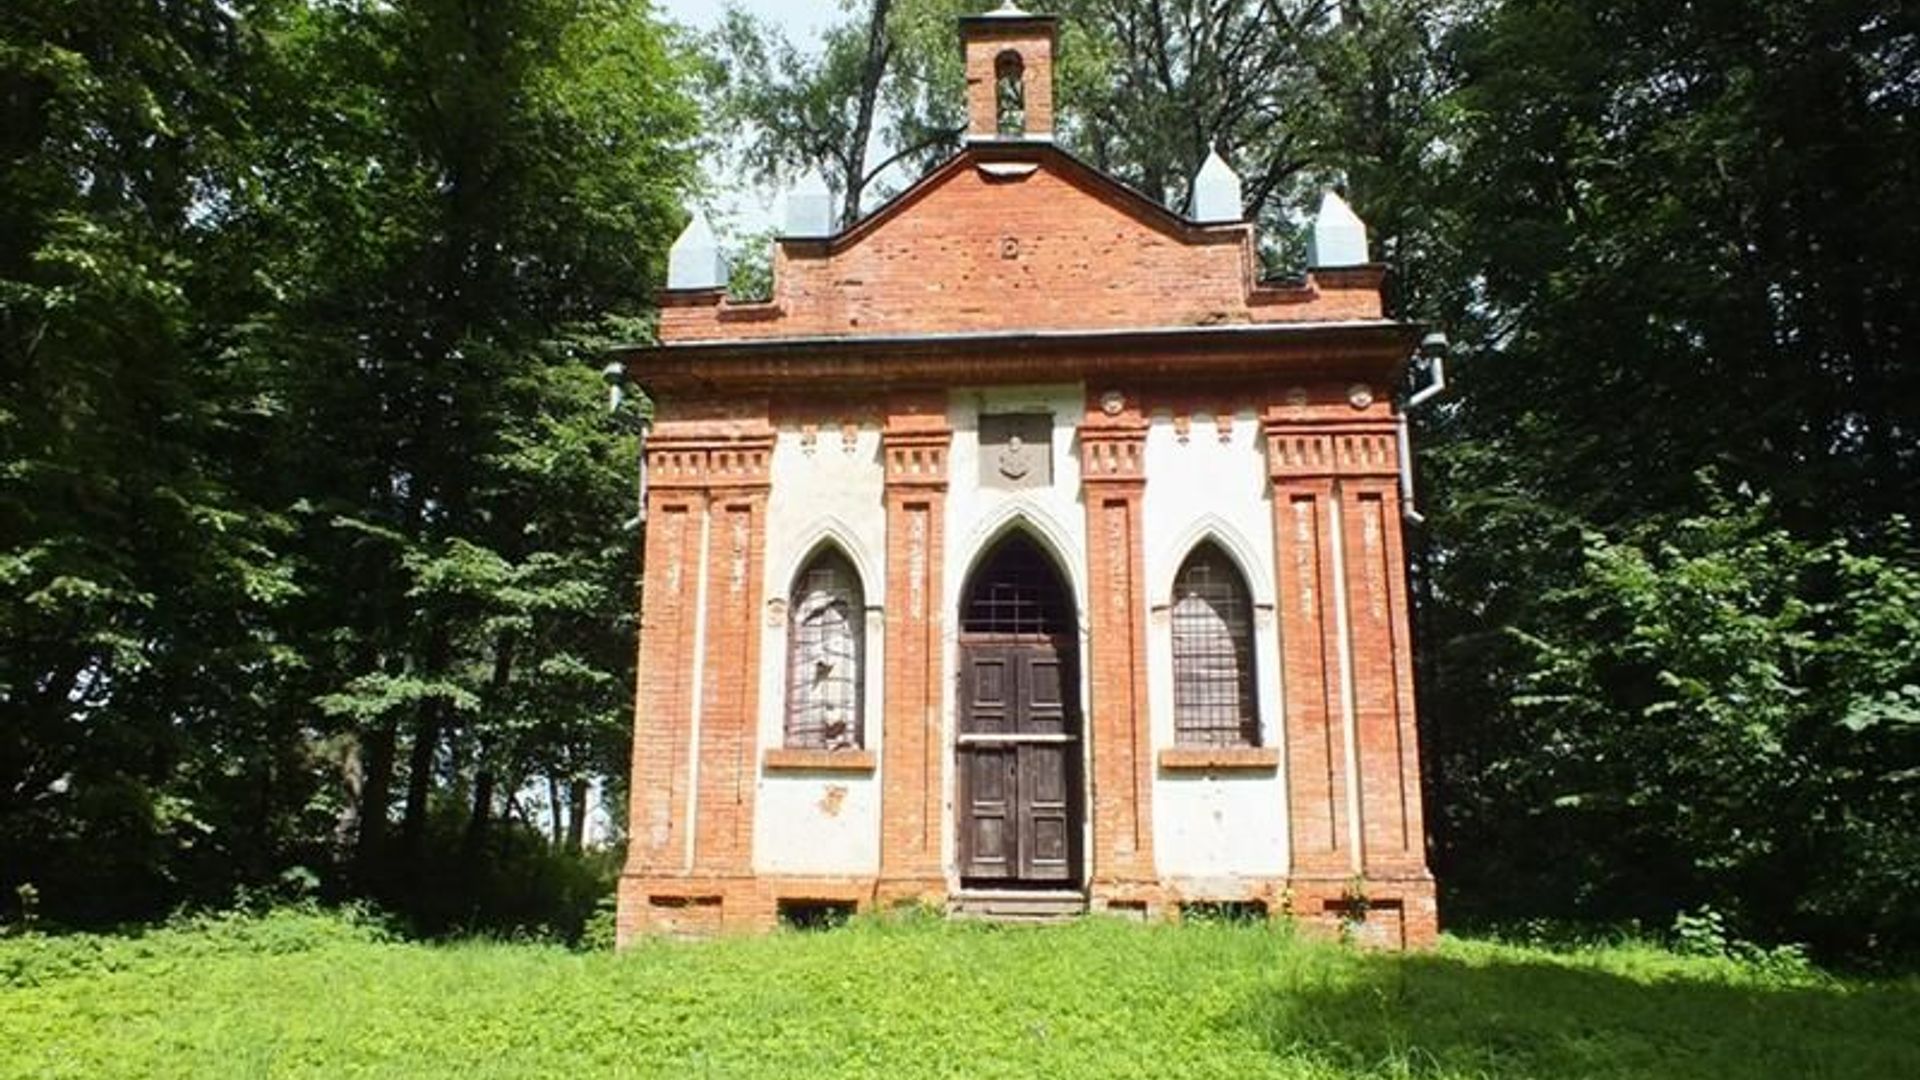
(1014,266)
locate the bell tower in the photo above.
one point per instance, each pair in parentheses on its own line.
(1009,55)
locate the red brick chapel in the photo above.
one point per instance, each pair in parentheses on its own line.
(1026,554)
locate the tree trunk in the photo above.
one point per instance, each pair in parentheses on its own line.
(553,809)
(482,814)
(426,740)
(484,780)
(376,790)
(577,816)
(872,71)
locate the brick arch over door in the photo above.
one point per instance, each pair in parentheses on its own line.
(1025,517)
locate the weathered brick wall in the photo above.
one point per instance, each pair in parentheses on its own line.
(1347,732)
(1052,249)
(914,442)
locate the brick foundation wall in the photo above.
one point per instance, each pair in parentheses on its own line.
(1376,912)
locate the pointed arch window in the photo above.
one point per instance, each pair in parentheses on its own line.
(1010,94)
(826,653)
(1214,703)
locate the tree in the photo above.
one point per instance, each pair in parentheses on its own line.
(139,580)
(886,82)
(312,506)
(512,196)
(1680,244)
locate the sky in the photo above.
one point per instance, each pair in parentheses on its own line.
(800,18)
(751,210)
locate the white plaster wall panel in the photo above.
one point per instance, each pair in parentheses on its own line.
(823,489)
(979,515)
(1203,484)
(1218,827)
(825,824)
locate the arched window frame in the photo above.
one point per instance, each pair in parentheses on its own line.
(1010,94)
(1039,603)
(826,656)
(1216,698)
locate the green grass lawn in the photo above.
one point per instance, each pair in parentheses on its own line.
(300,995)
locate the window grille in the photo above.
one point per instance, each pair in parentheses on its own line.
(1213,692)
(826,645)
(1017,591)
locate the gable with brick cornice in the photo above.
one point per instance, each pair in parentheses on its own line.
(1018,236)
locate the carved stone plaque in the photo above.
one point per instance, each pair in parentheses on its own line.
(1016,450)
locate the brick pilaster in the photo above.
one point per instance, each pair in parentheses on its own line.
(914,443)
(664,691)
(1390,810)
(729,721)
(1335,485)
(1312,725)
(1112,457)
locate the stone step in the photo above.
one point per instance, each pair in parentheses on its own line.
(1018,906)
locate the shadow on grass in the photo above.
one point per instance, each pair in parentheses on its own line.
(1442,1016)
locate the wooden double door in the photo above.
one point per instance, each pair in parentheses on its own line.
(1019,762)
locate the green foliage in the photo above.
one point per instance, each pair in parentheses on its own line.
(516,883)
(310,495)
(184,943)
(1705,933)
(1693,696)
(927,998)
(1673,243)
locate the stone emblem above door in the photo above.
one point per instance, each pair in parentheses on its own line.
(1016,450)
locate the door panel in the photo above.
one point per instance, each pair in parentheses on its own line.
(1043,806)
(1020,792)
(1042,709)
(988,838)
(990,682)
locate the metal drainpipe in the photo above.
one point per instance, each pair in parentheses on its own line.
(615,374)
(1434,347)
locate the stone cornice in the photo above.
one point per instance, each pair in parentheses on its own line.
(1374,350)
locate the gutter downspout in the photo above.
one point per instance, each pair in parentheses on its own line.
(1434,347)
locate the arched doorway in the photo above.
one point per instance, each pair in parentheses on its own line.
(1019,740)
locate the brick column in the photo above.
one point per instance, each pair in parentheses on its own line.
(1350,729)
(1313,730)
(665,690)
(1392,833)
(729,721)
(689,861)
(914,442)
(1112,459)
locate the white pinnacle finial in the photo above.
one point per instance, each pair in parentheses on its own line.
(694,261)
(1216,190)
(1339,236)
(810,207)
